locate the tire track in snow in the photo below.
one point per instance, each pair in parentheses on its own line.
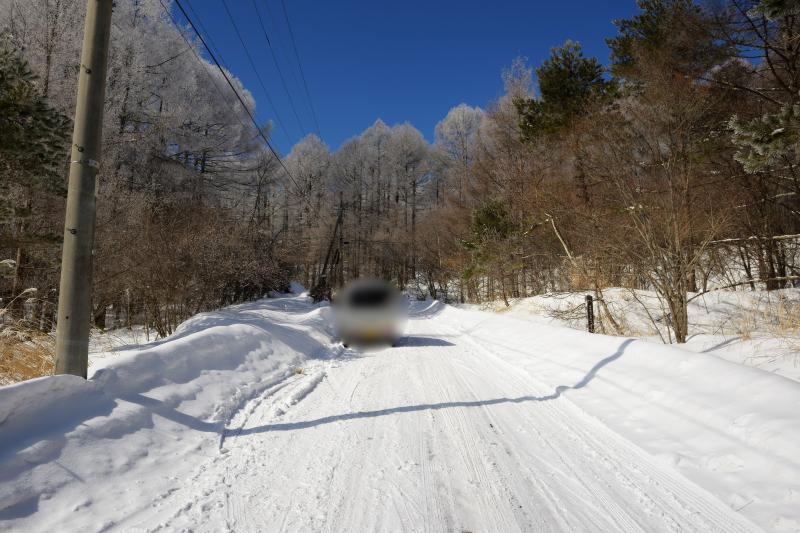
(696,508)
(214,483)
(469,451)
(413,446)
(607,504)
(554,508)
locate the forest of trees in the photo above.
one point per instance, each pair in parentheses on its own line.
(674,166)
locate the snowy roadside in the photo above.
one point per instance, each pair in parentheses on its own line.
(144,410)
(753,328)
(110,344)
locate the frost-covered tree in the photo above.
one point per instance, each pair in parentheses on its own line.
(50,35)
(776,9)
(176,142)
(374,141)
(771,138)
(408,155)
(308,162)
(456,141)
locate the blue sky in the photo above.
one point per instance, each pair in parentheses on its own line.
(401,60)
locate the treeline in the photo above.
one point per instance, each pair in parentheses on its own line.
(674,169)
(177,228)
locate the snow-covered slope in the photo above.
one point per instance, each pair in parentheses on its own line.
(756,328)
(251,419)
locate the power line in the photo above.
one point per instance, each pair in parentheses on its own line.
(282,46)
(300,64)
(205,31)
(218,51)
(200,60)
(258,76)
(216,85)
(235,92)
(277,65)
(204,63)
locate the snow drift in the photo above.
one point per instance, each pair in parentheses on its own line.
(144,409)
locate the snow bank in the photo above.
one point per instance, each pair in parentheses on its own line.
(755,328)
(175,396)
(24,407)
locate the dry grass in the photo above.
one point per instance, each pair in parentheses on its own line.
(786,318)
(746,325)
(785,325)
(779,319)
(25,355)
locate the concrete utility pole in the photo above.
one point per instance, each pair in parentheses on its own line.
(75,294)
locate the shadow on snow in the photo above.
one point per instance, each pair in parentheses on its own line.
(289,426)
(417,341)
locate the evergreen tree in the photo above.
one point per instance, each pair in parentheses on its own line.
(492,238)
(674,31)
(764,140)
(33,145)
(569,84)
(34,139)
(775,9)
(490,223)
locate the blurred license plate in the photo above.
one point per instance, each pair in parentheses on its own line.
(371,335)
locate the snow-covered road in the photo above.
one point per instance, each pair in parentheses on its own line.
(437,435)
(475,423)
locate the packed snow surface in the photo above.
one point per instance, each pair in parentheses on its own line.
(253,419)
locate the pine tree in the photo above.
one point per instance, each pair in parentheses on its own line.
(674,31)
(764,140)
(569,84)
(492,236)
(775,9)
(34,139)
(33,145)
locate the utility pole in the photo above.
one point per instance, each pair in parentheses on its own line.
(75,294)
